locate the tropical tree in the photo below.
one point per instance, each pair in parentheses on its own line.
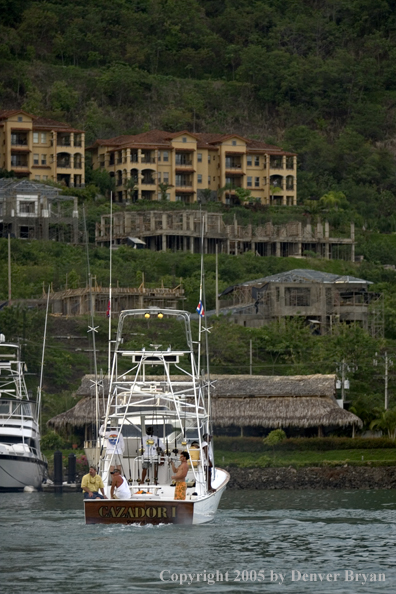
(386,421)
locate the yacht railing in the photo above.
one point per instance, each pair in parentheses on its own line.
(22,449)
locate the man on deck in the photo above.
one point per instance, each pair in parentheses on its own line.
(91,484)
(180,475)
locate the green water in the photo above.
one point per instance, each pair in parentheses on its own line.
(45,546)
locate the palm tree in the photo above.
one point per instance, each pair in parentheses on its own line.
(386,422)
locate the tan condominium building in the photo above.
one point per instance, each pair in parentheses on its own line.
(41,149)
(186,167)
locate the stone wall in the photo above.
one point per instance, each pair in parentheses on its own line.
(345,477)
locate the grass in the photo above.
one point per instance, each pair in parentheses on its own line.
(299,459)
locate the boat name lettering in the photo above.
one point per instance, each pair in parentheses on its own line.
(116,511)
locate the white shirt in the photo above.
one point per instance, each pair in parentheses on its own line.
(150,450)
(115,440)
(123,491)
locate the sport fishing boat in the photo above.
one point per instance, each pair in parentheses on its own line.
(21,463)
(158,406)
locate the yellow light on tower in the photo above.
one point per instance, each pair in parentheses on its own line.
(147,315)
(160,315)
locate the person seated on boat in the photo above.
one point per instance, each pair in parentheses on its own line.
(152,447)
(91,484)
(208,453)
(115,446)
(180,475)
(194,454)
(119,486)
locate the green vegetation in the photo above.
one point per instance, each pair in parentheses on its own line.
(316,78)
(312,457)
(300,452)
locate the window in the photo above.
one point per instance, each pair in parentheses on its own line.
(159,177)
(20,119)
(43,159)
(43,137)
(165,156)
(214,157)
(249,161)
(214,178)
(208,179)
(166,177)
(35,159)
(297,297)
(184,139)
(199,157)
(37,177)
(26,207)
(249,181)
(234,143)
(264,181)
(159,156)
(208,158)
(256,161)
(256,182)
(45,176)
(199,176)
(35,137)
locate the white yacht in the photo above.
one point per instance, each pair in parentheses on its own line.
(21,462)
(159,401)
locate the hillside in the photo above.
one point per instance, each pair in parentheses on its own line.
(317,78)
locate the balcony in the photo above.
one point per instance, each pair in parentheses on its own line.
(183,161)
(233,163)
(19,140)
(147,160)
(276,163)
(63,164)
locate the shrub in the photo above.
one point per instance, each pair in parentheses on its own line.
(52,441)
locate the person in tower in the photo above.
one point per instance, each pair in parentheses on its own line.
(152,448)
(114,447)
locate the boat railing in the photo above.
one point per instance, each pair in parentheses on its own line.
(22,449)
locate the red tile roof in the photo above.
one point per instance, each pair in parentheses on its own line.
(158,138)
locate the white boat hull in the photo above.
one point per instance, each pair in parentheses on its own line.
(157,510)
(18,472)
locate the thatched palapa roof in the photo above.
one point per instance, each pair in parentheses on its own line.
(81,414)
(278,401)
(245,400)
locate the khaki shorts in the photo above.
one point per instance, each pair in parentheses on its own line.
(116,459)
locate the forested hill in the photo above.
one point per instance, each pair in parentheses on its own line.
(318,77)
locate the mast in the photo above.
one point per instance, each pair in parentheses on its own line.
(200,304)
(42,362)
(109,305)
(9,269)
(92,328)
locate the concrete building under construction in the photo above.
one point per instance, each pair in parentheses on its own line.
(321,299)
(77,302)
(32,210)
(181,230)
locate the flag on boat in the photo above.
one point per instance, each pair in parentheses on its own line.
(200,309)
(108,309)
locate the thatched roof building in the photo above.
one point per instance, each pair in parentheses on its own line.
(301,401)
(279,401)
